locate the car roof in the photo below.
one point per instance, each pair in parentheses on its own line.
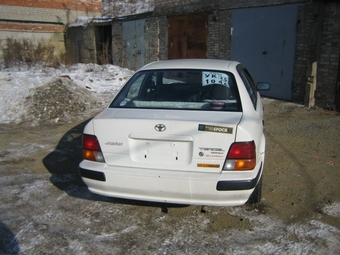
(207,64)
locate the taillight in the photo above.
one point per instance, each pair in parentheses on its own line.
(91,148)
(241,156)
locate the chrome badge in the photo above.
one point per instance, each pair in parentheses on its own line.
(160,127)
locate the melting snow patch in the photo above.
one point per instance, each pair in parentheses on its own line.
(333,210)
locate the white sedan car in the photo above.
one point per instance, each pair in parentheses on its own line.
(182,132)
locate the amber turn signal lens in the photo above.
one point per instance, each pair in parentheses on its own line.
(245,164)
(89,155)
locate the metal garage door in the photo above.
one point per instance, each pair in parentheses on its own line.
(134,44)
(264,40)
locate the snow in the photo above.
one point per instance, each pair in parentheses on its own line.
(332,210)
(82,21)
(117,9)
(269,236)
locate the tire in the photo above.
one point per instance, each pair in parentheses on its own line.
(255,197)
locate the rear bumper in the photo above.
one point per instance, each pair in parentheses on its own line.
(240,184)
(178,187)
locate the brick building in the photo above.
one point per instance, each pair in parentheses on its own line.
(43,20)
(293,44)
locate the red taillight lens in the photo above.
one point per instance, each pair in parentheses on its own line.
(241,156)
(90,142)
(91,148)
(242,150)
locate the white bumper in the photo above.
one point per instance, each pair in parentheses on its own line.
(176,187)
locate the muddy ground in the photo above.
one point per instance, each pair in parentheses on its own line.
(46,209)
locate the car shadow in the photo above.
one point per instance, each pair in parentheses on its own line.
(8,242)
(63,164)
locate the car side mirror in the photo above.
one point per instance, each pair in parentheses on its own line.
(263,86)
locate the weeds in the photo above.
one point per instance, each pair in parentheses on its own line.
(25,52)
(104,56)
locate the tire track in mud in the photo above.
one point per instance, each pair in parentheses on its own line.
(296,187)
(303,148)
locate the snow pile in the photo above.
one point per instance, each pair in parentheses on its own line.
(59,100)
(42,95)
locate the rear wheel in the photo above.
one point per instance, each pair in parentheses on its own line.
(255,197)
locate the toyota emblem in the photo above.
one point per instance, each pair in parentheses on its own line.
(160,127)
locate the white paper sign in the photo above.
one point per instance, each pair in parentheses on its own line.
(209,78)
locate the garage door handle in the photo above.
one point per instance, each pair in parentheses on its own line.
(265,53)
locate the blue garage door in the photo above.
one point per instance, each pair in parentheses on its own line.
(264,40)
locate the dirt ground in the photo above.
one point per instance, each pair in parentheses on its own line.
(46,209)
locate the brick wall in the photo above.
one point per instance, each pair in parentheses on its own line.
(89,5)
(45,12)
(163,38)
(219,24)
(318,41)
(31,27)
(152,51)
(329,56)
(42,20)
(303,51)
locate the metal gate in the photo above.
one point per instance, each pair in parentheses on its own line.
(264,40)
(134,44)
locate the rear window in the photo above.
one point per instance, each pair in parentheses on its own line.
(204,90)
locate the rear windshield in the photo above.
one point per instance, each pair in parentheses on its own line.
(180,89)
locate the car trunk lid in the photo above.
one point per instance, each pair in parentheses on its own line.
(166,139)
